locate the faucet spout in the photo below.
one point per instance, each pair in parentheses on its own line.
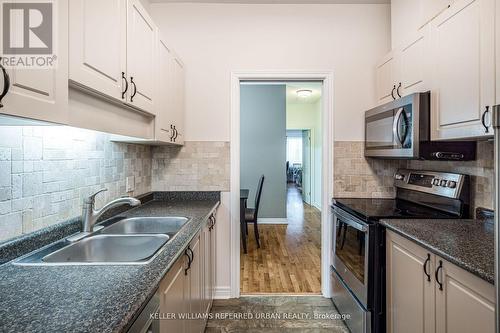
(90,215)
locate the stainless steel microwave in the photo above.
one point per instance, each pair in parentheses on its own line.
(400,129)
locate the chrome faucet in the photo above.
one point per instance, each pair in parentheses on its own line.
(90,215)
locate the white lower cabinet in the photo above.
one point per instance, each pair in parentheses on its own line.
(187,289)
(426,293)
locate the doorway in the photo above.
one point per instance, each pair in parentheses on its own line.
(326,140)
(281,233)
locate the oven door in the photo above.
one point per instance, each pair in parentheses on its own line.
(389,129)
(352,244)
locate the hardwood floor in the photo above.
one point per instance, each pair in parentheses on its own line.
(289,260)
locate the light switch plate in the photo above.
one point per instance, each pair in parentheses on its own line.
(130,184)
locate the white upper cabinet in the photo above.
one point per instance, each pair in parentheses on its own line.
(179,100)
(385,73)
(432,8)
(141,60)
(97,46)
(447,47)
(497,45)
(406,19)
(169,122)
(113,51)
(404,70)
(39,93)
(163,122)
(413,63)
(463,70)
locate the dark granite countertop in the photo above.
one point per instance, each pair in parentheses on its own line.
(95,298)
(468,244)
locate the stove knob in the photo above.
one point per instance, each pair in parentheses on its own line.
(452,184)
(435,182)
(399,176)
(443,182)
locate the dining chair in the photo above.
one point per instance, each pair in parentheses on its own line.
(251,214)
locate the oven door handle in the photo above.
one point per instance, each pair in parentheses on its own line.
(355,225)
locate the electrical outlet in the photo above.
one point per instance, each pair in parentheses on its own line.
(130,184)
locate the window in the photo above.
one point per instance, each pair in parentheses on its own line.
(294,150)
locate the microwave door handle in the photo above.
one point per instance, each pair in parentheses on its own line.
(395,126)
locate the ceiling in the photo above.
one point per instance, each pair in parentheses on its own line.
(293,98)
(277,1)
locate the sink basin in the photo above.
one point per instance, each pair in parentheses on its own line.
(146,225)
(109,249)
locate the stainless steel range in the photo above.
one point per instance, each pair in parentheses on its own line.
(358,267)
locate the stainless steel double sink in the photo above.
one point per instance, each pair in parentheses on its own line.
(135,240)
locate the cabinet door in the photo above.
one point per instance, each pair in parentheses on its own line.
(413,64)
(141,65)
(179,100)
(432,8)
(213,257)
(385,79)
(464,69)
(410,295)
(497,45)
(465,303)
(207,268)
(164,110)
(174,298)
(40,93)
(196,287)
(406,19)
(97,46)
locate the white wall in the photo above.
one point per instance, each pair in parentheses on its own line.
(308,116)
(215,39)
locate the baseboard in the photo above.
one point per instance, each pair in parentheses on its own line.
(317,206)
(272,220)
(222,292)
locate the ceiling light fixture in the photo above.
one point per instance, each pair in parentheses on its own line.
(304,93)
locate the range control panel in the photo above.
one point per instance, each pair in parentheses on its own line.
(438,183)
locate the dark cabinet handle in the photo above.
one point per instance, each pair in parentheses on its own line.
(397,90)
(190,259)
(126,85)
(6,83)
(428,260)
(440,267)
(483,120)
(392,92)
(176,133)
(135,88)
(212,222)
(173,132)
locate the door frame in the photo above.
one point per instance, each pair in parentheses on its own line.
(327,112)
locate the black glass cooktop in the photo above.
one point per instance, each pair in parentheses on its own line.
(376,209)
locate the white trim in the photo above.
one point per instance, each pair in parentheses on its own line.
(326,170)
(222,292)
(272,220)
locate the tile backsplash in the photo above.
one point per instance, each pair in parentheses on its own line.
(46,171)
(356,176)
(196,166)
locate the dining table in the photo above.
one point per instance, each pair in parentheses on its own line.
(243,206)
